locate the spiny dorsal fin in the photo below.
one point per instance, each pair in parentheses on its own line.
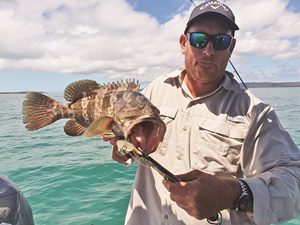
(80,89)
(128,85)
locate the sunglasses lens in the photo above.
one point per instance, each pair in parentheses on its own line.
(222,41)
(198,40)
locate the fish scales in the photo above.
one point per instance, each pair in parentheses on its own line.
(106,104)
(110,110)
(84,110)
(98,105)
(70,112)
(81,110)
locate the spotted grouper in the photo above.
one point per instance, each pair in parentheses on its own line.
(111,110)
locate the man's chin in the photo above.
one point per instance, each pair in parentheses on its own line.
(203,76)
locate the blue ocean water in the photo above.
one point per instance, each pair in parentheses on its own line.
(72,180)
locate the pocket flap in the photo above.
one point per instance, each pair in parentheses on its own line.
(225,128)
(168,112)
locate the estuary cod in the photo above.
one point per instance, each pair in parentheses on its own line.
(111,110)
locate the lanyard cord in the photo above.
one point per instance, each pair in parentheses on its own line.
(193,3)
(238,74)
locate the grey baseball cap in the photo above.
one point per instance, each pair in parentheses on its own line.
(213,7)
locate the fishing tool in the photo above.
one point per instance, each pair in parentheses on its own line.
(125,148)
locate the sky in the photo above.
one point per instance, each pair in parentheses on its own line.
(45,45)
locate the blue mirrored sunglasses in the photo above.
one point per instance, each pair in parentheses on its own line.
(200,40)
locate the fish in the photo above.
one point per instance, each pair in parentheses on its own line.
(110,110)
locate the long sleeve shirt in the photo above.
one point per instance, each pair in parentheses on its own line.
(228,132)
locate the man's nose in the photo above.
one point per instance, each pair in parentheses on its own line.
(209,49)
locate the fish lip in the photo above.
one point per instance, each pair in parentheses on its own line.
(154,119)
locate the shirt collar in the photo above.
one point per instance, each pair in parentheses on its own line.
(229,83)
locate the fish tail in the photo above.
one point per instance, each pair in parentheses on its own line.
(40,110)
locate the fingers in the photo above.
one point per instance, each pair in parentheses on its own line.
(120,159)
(115,155)
(172,186)
(192,175)
(105,138)
(199,194)
(112,141)
(177,190)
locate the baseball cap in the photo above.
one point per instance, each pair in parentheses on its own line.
(212,7)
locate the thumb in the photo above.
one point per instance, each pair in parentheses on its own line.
(192,175)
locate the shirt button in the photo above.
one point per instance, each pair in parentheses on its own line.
(179,156)
(184,128)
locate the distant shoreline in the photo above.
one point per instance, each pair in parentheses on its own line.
(248,84)
(272,84)
(15,92)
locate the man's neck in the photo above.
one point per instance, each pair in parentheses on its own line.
(200,88)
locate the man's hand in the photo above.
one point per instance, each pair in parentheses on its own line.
(137,138)
(115,156)
(203,195)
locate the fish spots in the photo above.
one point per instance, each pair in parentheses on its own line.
(62,112)
(97,106)
(106,104)
(141,106)
(56,109)
(119,95)
(84,108)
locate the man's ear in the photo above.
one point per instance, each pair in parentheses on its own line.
(231,48)
(183,40)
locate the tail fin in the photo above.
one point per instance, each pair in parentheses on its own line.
(38,111)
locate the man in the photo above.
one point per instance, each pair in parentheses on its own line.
(235,159)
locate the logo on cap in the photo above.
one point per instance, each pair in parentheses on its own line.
(214,5)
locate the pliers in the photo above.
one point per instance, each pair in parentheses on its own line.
(125,148)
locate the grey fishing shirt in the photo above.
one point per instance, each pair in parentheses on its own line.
(227,132)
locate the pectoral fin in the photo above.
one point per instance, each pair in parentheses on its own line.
(101,126)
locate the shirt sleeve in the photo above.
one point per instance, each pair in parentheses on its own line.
(270,161)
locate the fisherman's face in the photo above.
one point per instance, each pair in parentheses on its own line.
(206,65)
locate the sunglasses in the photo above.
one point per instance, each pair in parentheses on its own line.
(200,40)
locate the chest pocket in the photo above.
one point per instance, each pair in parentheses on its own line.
(168,115)
(226,128)
(218,144)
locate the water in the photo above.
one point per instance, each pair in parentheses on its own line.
(72,180)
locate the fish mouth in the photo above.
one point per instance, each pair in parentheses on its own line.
(146,133)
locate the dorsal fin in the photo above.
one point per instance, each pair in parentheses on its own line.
(128,85)
(80,89)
